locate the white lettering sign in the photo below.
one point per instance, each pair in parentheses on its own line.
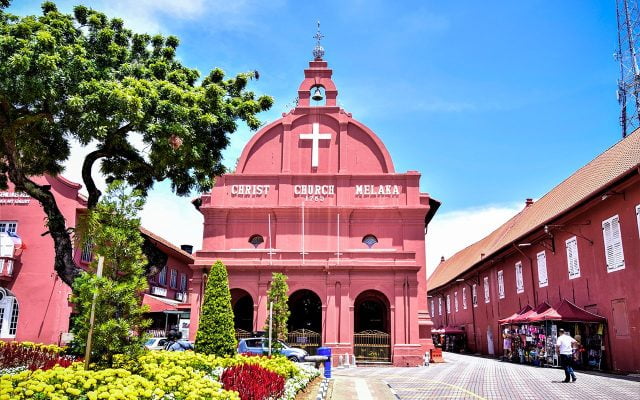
(249,190)
(377,190)
(14,198)
(314,192)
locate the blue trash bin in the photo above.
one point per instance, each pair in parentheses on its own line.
(326,351)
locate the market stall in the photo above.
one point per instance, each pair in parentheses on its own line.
(450,339)
(586,327)
(528,341)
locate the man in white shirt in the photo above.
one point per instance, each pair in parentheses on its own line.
(564,347)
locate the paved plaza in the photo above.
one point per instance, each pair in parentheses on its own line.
(468,377)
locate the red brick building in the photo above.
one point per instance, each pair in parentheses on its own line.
(580,242)
(34,301)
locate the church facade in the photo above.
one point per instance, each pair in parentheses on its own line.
(315,196)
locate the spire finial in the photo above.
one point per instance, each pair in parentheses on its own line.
(318,51)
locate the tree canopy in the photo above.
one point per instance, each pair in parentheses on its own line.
(87,78)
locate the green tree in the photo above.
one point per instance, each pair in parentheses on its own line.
(215,332)
(87,78)
(277,294)
(113,229)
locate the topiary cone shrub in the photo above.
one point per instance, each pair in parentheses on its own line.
(253,382)
(215,332)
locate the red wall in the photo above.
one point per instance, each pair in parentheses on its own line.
(596,289)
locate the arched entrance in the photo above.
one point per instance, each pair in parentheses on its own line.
(372,338)
(305,320)
(242,304)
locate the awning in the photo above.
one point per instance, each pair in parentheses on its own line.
(160,304)
(510,318)
(568,312)
(527,317)
(448,330)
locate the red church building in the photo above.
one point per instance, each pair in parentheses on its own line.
(576,249)
(315,196)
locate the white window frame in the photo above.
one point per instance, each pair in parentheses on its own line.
(448,304)
(433,308)
(501,284)
(455,301)
(474,295)
(9,314)
(638,218)
(613,251)
(487,292)
(183,282)
(543,276)
(573,259)
(173,278)
(162,276)
(464,298)
(9,226)
(519,278)
(439,305)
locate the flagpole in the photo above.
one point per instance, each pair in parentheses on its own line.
(270,246)
(302,231)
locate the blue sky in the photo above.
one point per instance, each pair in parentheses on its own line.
(491,101)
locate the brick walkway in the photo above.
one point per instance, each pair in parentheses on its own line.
(467,377)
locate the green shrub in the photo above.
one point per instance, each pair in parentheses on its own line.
(215,333)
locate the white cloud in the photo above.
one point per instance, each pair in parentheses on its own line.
(453,231)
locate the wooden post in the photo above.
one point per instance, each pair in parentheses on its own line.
(92,316)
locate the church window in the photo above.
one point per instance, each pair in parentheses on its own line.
(370,240)
(256,240)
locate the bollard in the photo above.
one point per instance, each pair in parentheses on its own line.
(340,361)
(326,351)
(353,360)
(346,360)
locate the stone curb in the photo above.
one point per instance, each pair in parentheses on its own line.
(322,392)
(393,391)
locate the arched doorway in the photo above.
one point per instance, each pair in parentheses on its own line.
(372,327)
(305,320)
(242,304)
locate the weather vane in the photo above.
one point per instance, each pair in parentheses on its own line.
(318,51)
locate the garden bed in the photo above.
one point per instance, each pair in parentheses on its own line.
(165,375)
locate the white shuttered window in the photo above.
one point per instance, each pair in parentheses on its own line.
(487,296)
(543,280)
(439,305)
(433,308)
(474,295)
(573,263)
(464,298)
(455,301)
(638,218)
(448,304)
(500,284)
(519,278)
(613,244)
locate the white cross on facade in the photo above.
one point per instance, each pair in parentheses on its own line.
(315,136)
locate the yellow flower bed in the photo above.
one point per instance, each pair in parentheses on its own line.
(39,346)
(155,375)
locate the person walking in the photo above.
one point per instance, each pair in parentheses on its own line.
(564,347)
(176,343)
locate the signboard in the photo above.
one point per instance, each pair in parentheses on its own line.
(14,198)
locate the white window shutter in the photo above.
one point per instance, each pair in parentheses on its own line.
(543,279)
(616,238)
(638,218)
(608,243)
(573,263)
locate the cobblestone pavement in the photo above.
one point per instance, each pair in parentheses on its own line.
(468,377)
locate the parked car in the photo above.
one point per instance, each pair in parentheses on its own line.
(260,346)
(156,343)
